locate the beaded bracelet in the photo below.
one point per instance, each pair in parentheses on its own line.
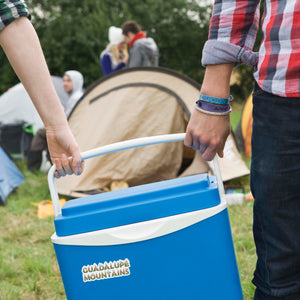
(213,100)
(211,109)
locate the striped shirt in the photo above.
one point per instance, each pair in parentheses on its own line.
(232,34)
(11,10)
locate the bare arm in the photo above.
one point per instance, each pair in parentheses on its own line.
(22,47)
(211,131)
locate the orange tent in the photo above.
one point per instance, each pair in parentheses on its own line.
(246,124)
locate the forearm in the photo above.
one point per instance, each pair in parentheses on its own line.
(22,48)
(119,66)
(216,81)
(106,64)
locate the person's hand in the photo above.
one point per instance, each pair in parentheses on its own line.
(207,134)
(126,57)
(62,146)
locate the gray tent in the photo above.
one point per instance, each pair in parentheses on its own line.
(18,112)
(134,103)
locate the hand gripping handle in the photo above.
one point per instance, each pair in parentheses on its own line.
(134,143)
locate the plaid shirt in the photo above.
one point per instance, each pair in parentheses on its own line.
(233,29)
(11,10)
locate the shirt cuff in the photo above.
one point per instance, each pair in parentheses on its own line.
(219,52)
(11,11)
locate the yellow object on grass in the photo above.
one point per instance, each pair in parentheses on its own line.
(45,208)
(118,185)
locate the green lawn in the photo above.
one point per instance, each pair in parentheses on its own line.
(28,266)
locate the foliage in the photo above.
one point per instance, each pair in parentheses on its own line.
(73,33)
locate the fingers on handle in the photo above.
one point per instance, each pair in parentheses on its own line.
(59,168)
(66,164)
(209,153)
(188,140)
(77,163)
(197,144)
(213,149)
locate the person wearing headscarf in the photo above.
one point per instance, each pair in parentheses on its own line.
(73,86)
(115,56)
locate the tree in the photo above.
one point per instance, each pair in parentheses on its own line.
(74,32)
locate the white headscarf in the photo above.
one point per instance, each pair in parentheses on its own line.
(77,92)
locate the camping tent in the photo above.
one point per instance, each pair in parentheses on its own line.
(18,112)
(135,103)
(10,176)
(243,131)
(246,125)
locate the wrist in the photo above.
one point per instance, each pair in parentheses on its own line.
(56,121)
(215,100)
(213,109)
(216,82)
(56,127)
(213,105)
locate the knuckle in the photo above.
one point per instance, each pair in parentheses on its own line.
(214,144)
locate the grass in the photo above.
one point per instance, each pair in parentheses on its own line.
(241,226)
(28,266)
(241,222)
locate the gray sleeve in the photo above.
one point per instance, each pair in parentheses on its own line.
(136,57)
(218,52)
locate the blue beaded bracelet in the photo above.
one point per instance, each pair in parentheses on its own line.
(223,101)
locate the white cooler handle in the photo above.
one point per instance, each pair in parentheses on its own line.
(134,143)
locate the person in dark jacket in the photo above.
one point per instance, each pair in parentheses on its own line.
(115,56)
(143,51)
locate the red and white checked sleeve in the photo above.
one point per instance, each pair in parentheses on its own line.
(232,32)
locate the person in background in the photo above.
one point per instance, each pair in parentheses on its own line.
(115,56)
(275,161)
(29,64)
(73,86)
(143,51)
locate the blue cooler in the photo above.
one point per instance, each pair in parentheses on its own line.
(167,240)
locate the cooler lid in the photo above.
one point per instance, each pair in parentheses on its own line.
(137,204)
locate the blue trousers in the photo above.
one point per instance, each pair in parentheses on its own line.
(275,184)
